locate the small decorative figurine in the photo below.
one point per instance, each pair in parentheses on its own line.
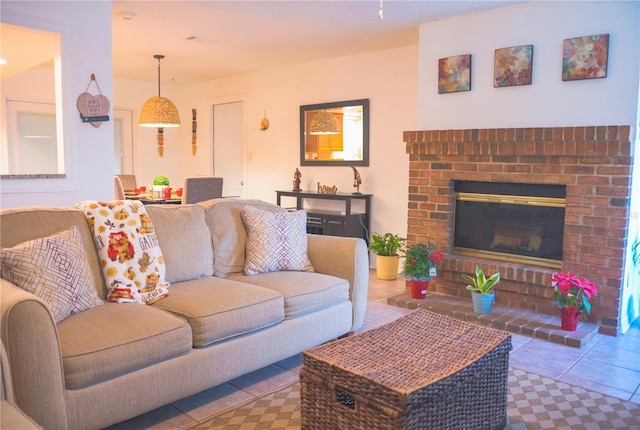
(357,180)
(296,180)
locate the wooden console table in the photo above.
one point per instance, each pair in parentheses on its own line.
(334,223)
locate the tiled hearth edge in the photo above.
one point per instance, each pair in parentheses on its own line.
(593,162)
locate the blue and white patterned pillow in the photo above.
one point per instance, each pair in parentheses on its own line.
(275,241)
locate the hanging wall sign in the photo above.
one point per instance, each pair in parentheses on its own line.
(93,109)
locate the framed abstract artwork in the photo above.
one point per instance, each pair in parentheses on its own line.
(454,74)
(585,57)
(512,66)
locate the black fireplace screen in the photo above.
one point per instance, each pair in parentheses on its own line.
(520,223)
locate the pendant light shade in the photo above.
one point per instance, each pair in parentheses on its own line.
(159,111)
(324,123)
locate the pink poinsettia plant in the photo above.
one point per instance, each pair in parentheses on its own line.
(573,291)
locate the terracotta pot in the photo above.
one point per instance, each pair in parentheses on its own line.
(418,288)
(569,318)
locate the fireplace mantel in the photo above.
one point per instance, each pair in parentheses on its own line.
(594,163)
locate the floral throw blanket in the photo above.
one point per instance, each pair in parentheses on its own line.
(130,256)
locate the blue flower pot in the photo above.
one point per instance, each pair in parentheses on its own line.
(482,302)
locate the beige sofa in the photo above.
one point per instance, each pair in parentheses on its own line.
(116,361)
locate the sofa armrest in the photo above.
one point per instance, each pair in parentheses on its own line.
(30,338)
(346,258)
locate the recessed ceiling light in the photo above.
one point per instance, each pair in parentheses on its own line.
(200,39)
(2,61)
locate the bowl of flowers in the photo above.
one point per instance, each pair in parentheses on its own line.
(572,295)
(420,264)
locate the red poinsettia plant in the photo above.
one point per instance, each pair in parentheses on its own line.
(573,291)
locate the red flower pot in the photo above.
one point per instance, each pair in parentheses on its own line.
(418,288)
(569,318)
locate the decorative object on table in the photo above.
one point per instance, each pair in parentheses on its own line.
(160,182)
(387,248)
(512,66)
(194,131)
(264,123)
(481,289)
(357,180)
(572,295)
(454,74)
(93,109)
(420,264)
(326,189)
(296,180)
(585,57)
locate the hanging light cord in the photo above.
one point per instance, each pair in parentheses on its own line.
(158,57)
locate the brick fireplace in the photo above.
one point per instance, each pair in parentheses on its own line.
(593,163)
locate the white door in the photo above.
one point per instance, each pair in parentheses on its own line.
(228,147)
(122,141)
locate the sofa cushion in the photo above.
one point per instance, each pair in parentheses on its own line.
(127,245)
(275,241)
(219,309)
(54,268)
(303,292)
(112,340)
(224,219)
(185,240)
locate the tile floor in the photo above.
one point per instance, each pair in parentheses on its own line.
(609,365)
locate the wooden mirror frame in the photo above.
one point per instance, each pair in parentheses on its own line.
(330,162)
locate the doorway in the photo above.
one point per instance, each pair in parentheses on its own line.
(228,147)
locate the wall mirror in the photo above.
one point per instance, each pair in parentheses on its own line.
(32,144)
(335,134)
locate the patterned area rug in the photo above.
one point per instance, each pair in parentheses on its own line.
(534,402)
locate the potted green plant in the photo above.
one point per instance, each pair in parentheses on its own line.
(481,289)
(420,264)
(387,248)
(160,182)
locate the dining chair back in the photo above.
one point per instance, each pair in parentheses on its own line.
(118,188)
(201,188)
(128,182)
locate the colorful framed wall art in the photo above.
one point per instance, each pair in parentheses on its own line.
(454,74)
(585,57)
(512,66)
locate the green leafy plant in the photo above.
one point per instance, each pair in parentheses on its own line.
(387,245)
(160,180)
(481,284)
(420,259)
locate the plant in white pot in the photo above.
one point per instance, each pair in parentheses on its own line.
(481,289)
(160,182)
(387,248)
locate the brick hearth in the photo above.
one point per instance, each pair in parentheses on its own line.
(593,162)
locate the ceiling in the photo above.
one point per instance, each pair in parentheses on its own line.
(234,37)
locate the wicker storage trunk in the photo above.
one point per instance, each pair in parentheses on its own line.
(422,371)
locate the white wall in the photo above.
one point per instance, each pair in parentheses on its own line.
(387,78)
(549,101)
(86,46)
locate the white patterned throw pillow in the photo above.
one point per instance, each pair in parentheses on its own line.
(131,259)
(54,268)
(275,241)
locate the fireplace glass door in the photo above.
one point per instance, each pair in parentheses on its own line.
(520,223)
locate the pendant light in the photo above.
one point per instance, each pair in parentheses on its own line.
(324,123)
(159,111)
